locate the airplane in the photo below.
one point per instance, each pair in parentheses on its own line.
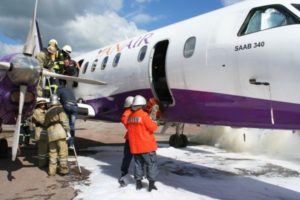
(236,66)
(19,76)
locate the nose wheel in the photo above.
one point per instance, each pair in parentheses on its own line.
(178,140)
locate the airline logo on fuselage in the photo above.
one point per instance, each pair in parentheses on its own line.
(142,40)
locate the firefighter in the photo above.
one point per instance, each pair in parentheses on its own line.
(152,108)
(46,60)
(53,43)
(127,156)
(70,68)
(46,57)
(142,143)
(60,57)
(38,118)
(57,124)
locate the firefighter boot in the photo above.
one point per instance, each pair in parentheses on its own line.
(52,169)
(152,186)
(139,185)
(122,180)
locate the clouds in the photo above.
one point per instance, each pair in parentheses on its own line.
(85,25)
(10,48)
(229,2)
(142,18)
(93,30)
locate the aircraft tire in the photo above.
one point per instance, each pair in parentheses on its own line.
(3,148)
(178,141)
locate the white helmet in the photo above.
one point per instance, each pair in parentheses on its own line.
(54,100)
(52,41)
(128,102)
(139,101)
(67,49)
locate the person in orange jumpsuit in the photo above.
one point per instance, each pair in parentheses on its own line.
(127,156)
(152,108)
(142,143)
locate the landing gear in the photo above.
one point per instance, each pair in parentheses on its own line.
(3,144)
(178,140)
(3,148)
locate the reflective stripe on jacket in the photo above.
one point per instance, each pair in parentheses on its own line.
(141,132)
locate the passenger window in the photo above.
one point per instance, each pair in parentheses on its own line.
(104,62)
(142,53)
(266,18)
(116,59)
(85,67)
(80,62)
(93,68)
(189,47)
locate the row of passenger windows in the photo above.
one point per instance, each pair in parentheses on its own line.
(188,51)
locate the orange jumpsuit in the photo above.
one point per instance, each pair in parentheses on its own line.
(124,119)
(141,132)
(127,156)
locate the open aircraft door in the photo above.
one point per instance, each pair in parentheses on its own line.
(157,74)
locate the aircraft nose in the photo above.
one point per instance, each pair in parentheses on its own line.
(25,70)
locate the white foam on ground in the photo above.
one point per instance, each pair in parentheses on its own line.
(202,172)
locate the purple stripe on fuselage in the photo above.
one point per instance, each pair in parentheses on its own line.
(8,58)
(110,109)
(210,108)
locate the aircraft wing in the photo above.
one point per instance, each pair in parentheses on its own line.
(72,78)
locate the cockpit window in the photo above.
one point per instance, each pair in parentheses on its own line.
(297,6)
(264,18)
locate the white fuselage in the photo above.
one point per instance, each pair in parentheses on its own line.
(215,78)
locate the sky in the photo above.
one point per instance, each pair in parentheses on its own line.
(88,25)
(269,170)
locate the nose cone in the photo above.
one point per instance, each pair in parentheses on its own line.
(25,70)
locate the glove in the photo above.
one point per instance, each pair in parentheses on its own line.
(68,135)
(158,122)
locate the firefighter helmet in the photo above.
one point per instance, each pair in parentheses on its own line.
(53,41)
(67,49)
(139,101)
(128,102)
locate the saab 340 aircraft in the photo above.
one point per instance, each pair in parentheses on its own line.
(237,66)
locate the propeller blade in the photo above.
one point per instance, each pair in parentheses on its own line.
(72,78)
(4,66)
(31,37)
(15,144)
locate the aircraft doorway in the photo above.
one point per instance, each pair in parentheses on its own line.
(158,76)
